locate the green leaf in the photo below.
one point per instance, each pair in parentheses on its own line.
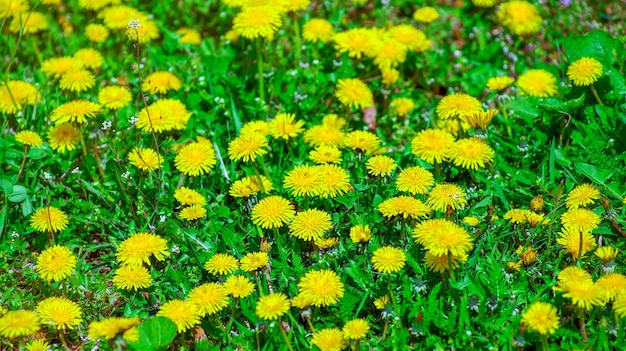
(599,176)
(618,84)
(597,44)
(18,194)
(7,186)
(155,334)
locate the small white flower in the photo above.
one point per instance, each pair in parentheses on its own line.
(47,175)
(133,120)
(162,218)
(126,174)
(14,234)
(106,125)
(175,249)
(76,170)
(133,24)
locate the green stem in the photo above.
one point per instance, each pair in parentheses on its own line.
(82,141)
(451,268)
(282,331)
(393,299)
(580,249)
(23,163)
(595,94)
(544,342)
(259,59)
(194,255)
(509,132)
(583,329)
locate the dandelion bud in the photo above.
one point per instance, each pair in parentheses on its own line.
(536,204)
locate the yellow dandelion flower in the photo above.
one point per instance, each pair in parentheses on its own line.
(445,196)
(222,264)
(352,92)
(585,294)
(79,111)
(196,158)
(484,3)
(528,255)
(163,115)
(161,82)
(499,83)
(582,195)
(401,106)
(139,247)
(388,259)
(272,212)
(117,17)
(318,29)
(458,106)
(188,196)
(38,345)
(388,53)
(238,286)
(300,302)
(382,302)
(59,311)
(411,37)
(415,180)
(356,42)
(209,298)
(584,71)
(432,145)
(619,305)
(580,220)
(193,212)
(89,58)
(426,14)
(389,76)
(63,137)
(96,33)
(145,159)
(247,147)
(303,180)
(322,135)
(516,215)
(110,328)
(253,261)
(335,181)
(471,153)
(442,237)
(362,141)
(355,329)
(56,263)
(189,36)
(326,243)
(13,7)
(571,275)
(114,97)
(537,83)
(606,253)
(541,317)
(613,284)
(482,119)
(272,306)
(322,287)
(77,80)
(15,95)
(329,339)
(325,154)
(145,32)
(257,21)
(514,266)
(132,277)
(183,313)
(249,186)
(380,166)
(441,263)
(29,138)
(49,219)
(284,126)
(571,241)
(28,23)
(255,127)
(310,224)
(58,66)
(19,323)
(404,206)
(521,17)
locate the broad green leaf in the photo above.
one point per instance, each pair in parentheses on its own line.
(155,334)
(18,194)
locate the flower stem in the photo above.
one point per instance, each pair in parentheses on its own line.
(451,268)
(583,329)
(23,163)
(282,331)
(544,342)
(259,59)
(297,39)
(595,94)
